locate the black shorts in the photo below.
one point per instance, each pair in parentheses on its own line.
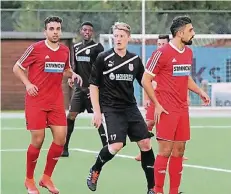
(80,101)
(119,124)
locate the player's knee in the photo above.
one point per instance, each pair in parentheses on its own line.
(37,140)
(60,141)
(145,144)
(72,115)
(178,151)
(165,149)
(150,124)
(115,147)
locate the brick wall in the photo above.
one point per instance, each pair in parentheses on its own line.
(12,90)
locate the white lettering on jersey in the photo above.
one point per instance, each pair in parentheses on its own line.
(124,77)
(83,58)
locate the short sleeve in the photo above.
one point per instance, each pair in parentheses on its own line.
(155,63)
(97,71)
(140,72)
(27,59)
(100,48)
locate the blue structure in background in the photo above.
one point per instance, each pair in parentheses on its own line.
(210,63)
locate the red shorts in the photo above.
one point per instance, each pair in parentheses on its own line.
(38,118)
(150,111)
(173,127)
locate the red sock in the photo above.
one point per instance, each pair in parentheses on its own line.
(32,156)
(53,155)
(175,172)
(160,167)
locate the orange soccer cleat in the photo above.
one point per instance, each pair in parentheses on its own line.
(47,183)
(31,187)
(185,158)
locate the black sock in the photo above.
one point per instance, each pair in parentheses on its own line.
(70,128)
(102,135)
(103,157)
(147,163)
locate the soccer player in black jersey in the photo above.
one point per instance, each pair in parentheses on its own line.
(112,93)
(85,53)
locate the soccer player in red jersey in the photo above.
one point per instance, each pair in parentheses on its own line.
(46,61)
(171,66)
(149,106)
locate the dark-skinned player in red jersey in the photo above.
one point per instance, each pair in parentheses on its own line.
(171,66)
(46,61)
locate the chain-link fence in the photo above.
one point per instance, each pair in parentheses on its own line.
(205,22)
(210,64)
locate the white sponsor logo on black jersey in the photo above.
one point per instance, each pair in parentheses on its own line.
(83,58)
(124,77)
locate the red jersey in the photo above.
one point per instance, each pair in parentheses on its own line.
(171,68)
(45,70)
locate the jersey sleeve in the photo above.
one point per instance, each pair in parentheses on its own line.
(140,72)
(97,71)
(68,61)
(155,63)
(27,59)
(100,48)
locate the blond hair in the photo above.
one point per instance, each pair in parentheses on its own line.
(121,26)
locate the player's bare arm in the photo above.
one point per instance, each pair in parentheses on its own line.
(31,89)
(72,77)
(94,92)
(196,89)
(147,84)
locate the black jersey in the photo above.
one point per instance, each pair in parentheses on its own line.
(84,56)
(114,75)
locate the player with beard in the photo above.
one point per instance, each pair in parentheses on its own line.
(47,61)
(171,66)
(85,54)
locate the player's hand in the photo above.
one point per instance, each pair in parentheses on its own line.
(205,98)
(76,77)
(70,82)
(97,119)
(32,89)
(158,111)
(147,103)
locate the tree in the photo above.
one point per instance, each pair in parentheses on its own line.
(127,11)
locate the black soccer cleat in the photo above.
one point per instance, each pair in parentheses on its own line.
(92,180)
(151,134)
(150,191)
(65,153)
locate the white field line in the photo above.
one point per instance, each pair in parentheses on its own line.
(92,128)
(127,157)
